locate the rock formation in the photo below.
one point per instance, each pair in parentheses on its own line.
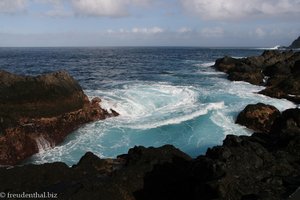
(295,44)
(278,71)
(39,109)
(258,117)
(265,165)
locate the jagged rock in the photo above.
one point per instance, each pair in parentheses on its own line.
(255,167)
(255,78)
(92,177)
(258,117)
(265,165)
(287,87)
(295,44)
(279,71)
(47,107)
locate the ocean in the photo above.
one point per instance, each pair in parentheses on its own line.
(165,95)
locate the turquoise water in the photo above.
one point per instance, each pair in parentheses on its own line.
(164,96)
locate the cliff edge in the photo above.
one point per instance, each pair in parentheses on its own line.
(39,111)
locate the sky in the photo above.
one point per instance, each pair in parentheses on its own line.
(203,23)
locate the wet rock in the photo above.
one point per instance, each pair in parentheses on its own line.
(255,78)
(278,71)
(92,177)
(258,117)
(43,108)
(244,167)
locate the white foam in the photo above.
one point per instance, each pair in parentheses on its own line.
(207,64)
(226,122)
(270,48)
(42,143)
(183,118)
(146,106)
(238,57)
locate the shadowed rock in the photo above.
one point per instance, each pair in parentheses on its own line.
(265,165)
(295,44)
(278,71)
(42,109)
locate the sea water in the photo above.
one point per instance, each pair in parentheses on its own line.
(165,95)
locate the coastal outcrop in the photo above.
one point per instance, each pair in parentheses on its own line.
(295,44)
(259,117)
(265,165)
(278,71)
(39,112)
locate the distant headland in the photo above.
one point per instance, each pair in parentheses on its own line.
(295,44)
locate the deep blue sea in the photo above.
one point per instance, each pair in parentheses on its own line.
(165,95)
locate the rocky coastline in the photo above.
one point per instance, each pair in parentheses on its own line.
(278,71)
(265,165)
(39,111)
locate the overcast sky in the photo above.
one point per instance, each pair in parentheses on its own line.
(260,23)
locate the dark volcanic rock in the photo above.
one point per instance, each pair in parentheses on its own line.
(287,87)
(255,78)
(43,108)
(295,44)
(42,96)
(92,177)
(278,71)
(259,117)
(265,165)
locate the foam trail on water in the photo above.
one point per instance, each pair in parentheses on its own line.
(177,120)
(206,64)
(153,114)
(270,48)
(153,105)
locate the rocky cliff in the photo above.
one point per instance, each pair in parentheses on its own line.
(278,71)
(295,44)
(39,109)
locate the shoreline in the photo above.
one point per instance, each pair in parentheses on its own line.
(264,165)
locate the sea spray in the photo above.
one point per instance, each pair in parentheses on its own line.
(42,144)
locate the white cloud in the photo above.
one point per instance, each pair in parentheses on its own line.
(137,30)
(184,30)
(12,6)
(106,8)
(212,32)
(259,32)
(56,8)
(153,30)
(239,9)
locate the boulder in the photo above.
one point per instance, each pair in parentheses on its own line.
(39,111)
(258,117)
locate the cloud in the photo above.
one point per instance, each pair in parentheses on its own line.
(105,8)
(12,6)
(259,32)
(212,32)
(239,9)
(56,8)
(184,30)
(153,30)
(98,8)
(137,30)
